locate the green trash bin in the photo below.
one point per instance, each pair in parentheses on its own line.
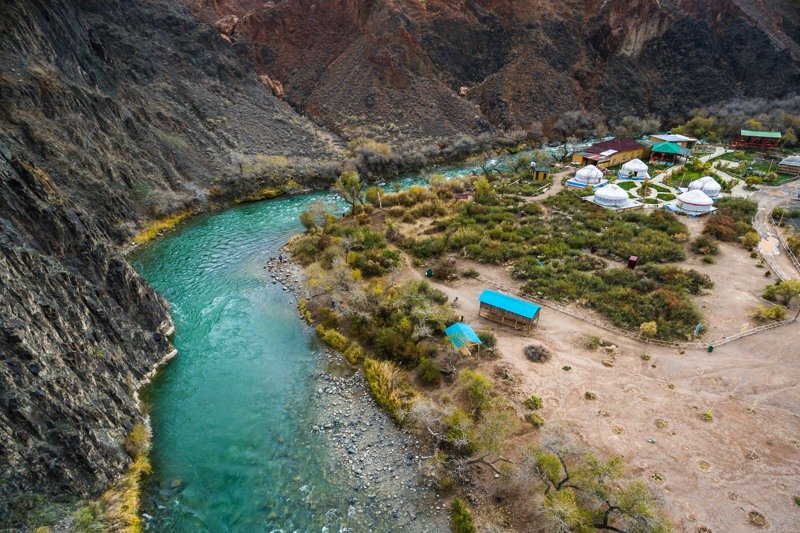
(429,273)
(710,348)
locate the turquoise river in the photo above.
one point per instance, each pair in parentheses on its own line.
(232,448)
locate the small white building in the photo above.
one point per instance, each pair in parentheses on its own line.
(708,185)
(635,169)
(588,176)
(612,196)
(692,203)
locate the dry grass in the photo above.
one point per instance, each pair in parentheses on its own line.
(262,194)
(158,226)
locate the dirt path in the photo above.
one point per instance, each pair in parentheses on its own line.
(769,198)
(712,473)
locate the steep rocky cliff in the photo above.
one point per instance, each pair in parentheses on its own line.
(396,68)
(111,113)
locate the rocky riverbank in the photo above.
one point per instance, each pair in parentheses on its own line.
(373,457)
(376,458)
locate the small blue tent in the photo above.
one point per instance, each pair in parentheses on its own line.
(461,334)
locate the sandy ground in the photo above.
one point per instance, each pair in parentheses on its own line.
(711,473)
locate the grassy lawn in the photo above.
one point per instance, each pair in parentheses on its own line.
(660,188)
(666,196)
(649,201)
(683,177)
(782,178)
(627,185)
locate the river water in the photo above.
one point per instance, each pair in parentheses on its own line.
(232,414)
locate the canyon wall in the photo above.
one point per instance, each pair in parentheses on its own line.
(111,113)
(396,69)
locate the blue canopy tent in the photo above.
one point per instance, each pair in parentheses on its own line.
(461,335)
(508,310)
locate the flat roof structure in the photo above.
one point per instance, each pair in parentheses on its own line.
(674,138)
(761,134)
(508,310)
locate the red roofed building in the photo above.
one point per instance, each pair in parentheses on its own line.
(610,153)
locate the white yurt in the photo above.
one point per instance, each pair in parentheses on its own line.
(635,169)
(588,175)
(611,195)
(708,185)
(695,201)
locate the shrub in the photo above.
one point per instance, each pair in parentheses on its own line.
(708,259)
(533,402)
(705,245)
(477,387)
(708,416)
(537,353)
(383,379)
(775,313)
(137,442)
(470,273)
(332,338)
(750,239)
(590,395)
(354,354)
(535,419)
(461,518)
(428,372)
(488,340)
(459,430)
(782,291)
(591,342)
(648,329)
(444,269)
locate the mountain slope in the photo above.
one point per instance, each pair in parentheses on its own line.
(395,69)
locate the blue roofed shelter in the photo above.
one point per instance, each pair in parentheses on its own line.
(461,335)
(508,310)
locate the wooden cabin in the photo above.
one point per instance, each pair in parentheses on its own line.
(763,140)
(610,153)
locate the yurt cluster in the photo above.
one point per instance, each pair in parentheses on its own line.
(694,200)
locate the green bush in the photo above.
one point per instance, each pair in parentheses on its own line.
(382,378)
(333,338)
(705,245)
(428,372)
(354,354)
(533,402)
(461,518)
(488,340)
(774,313)
(535,419)
(477,388)
(782,291)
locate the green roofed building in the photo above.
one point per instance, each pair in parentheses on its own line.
(765,140)
(508,310)
(668,151)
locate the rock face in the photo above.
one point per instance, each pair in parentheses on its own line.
(111,113)
(79,332)
(392,68)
